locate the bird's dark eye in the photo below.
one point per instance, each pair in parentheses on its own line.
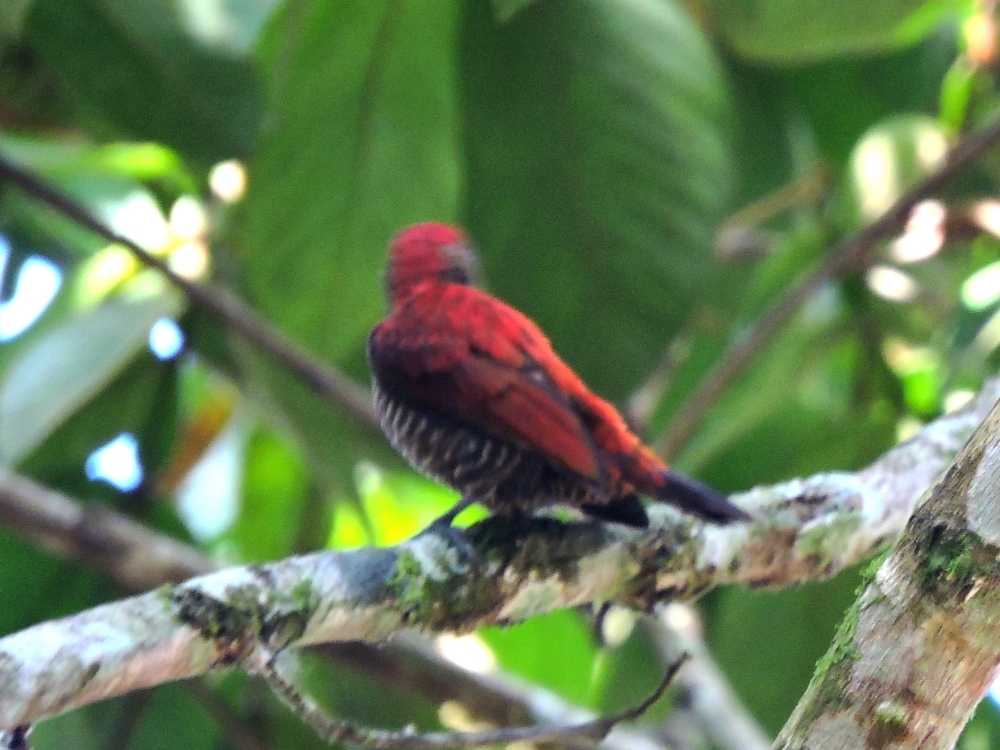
(455,275)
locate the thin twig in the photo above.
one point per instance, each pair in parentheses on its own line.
(337,731)
(710,699)
(644,400)
(847,255)
(731,239)
(322,378)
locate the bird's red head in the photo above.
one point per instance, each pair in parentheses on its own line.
(429,252)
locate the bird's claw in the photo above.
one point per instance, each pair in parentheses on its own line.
(455,537)
(442,527)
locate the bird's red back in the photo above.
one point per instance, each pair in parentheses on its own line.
(444,323)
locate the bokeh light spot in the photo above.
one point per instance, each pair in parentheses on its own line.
(116,463)
(38,281)
(138,218)
(875,175)
(955,400)
(932,147)
(467,651)
(986,215)
(189,260)
(228,181)
(104,271)
(166,339)
(924,235)
(982,289)
(187,218)
(891,284)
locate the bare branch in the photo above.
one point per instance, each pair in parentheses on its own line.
(805,530)
(134,557)
(337,731)
(920,647)
(495,697)
(320,377)
(847,255)
(138,559)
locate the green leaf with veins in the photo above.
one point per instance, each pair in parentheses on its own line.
(598,166)
(134,63)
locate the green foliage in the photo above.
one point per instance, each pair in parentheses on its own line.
(592,148)
(362,142)
(275,489)
(983,731)
(555,650)
(333,182)
(155,720)
(134,63)
(393,507)
(51,587)
(795,31)
(778,634)
(597,154)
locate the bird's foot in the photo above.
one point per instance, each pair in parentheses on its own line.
(441,526)
(448,518)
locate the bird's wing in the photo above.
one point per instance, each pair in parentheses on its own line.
(515,403)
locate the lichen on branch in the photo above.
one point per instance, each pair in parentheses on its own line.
(803,530)
(919,648)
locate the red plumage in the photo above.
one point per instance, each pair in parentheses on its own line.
(470,391)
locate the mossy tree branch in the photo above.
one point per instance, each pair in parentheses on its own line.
(805,530)
(920,647)
(137,559)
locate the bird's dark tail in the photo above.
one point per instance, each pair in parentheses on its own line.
(627,510)
(698,499)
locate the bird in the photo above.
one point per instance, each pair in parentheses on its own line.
(472,394)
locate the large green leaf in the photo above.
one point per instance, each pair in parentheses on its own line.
(361,140)
(598,165)
(57,375)
(133,61)
(790,31)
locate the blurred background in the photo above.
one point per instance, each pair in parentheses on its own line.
(644,178)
